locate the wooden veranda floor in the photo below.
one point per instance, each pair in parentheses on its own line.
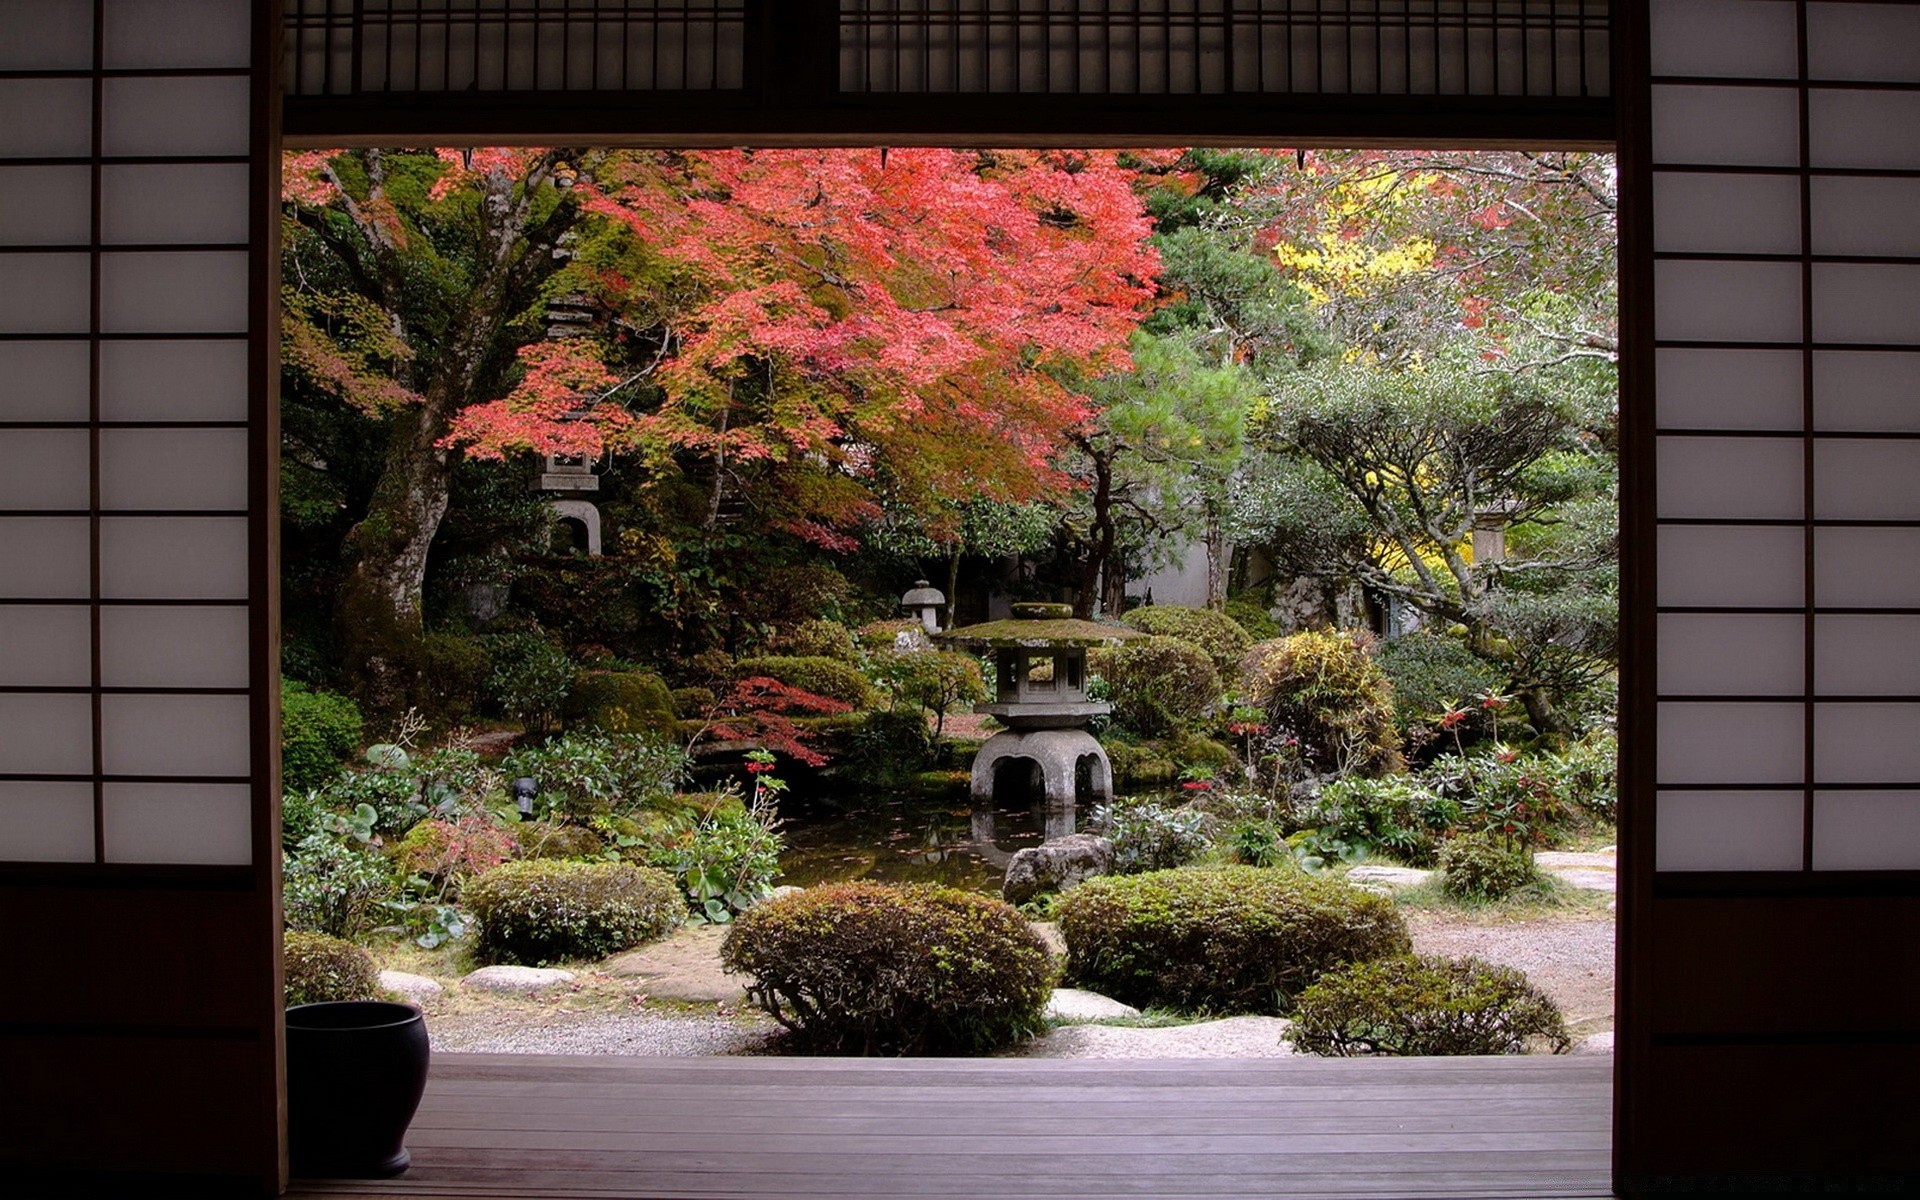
(514,1126)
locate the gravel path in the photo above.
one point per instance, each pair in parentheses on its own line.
(649,1034)
(1570,960)
(1233,1037)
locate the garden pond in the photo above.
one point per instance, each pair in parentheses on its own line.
(908,838)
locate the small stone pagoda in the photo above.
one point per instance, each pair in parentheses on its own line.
(1040,694)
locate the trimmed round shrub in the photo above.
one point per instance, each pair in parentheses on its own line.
(1214,632)
(817,638)
(1483,866)
(319,968)
(1326,689)
(1222,939)
(1425,1005)
(318,732)
(827,677)
(537,912)
(1158,685)
(620,702)
(865,968)
(455,669)
(547,839)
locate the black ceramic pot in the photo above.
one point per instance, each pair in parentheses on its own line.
(355,1072)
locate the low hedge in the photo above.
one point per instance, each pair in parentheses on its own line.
(866,968)
(319,731)
(1425,1005)
(1222,939)
(320,968)
(538,912)
(1159,685)
(1222,637)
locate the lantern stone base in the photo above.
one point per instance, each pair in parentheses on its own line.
(1057,753)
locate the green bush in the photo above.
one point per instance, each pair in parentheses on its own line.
(827,677)
(1425,1006)
(935,681)
(1222,939)
(530,679)
(545,839)
(1150,836)
(1158,685)
(817,638)
(1326,690)
(620,702)
(1140,765)
(1431,674)
(392,792)
(864,968)
(318,732)
(320,968)
(588,775)
(1398,815)
(694,703)
(544,911)
(1585,776)
(456,669)
(1214,632)
(332,884)
(724,862)
(1253,611)
(1483,866)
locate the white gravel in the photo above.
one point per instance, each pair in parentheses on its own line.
(1571,961)
(1232,1037)
(640,1033)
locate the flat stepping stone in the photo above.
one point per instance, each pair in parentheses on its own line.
(523,980)
(1077,1004)
(1233,1037)
(682,966)
(1594,1043)
(1389,876)
(414,987)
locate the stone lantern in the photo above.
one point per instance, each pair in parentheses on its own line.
(1040,694)
(924,600)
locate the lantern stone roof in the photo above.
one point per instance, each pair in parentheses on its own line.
(1038,627)
(922,594)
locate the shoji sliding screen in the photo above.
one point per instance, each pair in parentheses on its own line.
(1774,273)
(138,849)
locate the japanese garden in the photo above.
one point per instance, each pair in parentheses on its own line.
(948,601)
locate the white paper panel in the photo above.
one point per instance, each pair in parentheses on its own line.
(178,33)
(1864,128)
(1865,216)
(1866,391)
(45,293)
(1859,655)
(173,647)
(1726,214)
(1733,743)
(43,381)
(46,206)
(46,35)
(46,734)
(46,822)
(1729,389)
(174,735)
(1722,654)
(1863,42)
(46,646)
(1727,302)
(44,469)
(1866,302)
(177,118)
(1754,566)
(160,203)
(1754,39)
(1866,568)
(46,118)
(173,469)
(188,292)
(1729,831)
(1857,480)
(1726,126)
(173,558)
(1866,831)
(173,381)
(177,823)
(47,558)
(1866,743)
(1730,478)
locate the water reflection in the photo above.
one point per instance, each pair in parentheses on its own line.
(911,839)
